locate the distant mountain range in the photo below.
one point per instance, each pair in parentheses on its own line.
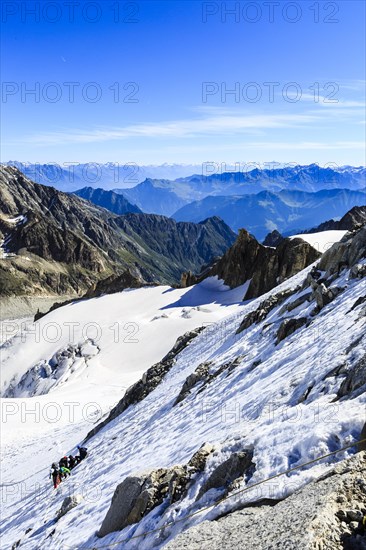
(52,243)
(288,211)
(166,197)
(190,182)
(289,200)
(107,175)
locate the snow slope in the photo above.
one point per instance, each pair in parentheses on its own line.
(118,337)
(259,404)
(323,240)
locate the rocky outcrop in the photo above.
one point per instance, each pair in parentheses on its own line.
(231,470)
(149,381)
(305,297)
(137,495)
(263,309)
(68,504)
(359,302)
(273,239)
(344,254)
(358,271)
(324,295)
(326,514)
(201,377)
(188,278)
(355,379)
(289,326)
(264,267)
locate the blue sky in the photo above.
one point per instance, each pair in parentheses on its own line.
(150,84)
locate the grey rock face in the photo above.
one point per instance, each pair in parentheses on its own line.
(355,379)
(199,459)
(362,445)
(137,495)
(309,519)
(236,466)
(273,239)
(265,267)
(68,504)
(344,254)
(263,309)
(202,376)
(199,375)
(296,303)
(324,295)
(358,271)
(353,219)
(289,326)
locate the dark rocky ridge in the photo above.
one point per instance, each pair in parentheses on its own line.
(108,199)
(266,267)
(65,245)
(273,239)
(353,219)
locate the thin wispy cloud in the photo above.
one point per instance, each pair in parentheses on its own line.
(219,124)
(324,101)
(307,145)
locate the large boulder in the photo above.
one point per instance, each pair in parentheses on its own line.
(137,495)
(358,271)
(324,295)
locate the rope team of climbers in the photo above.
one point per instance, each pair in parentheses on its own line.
(60,470)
